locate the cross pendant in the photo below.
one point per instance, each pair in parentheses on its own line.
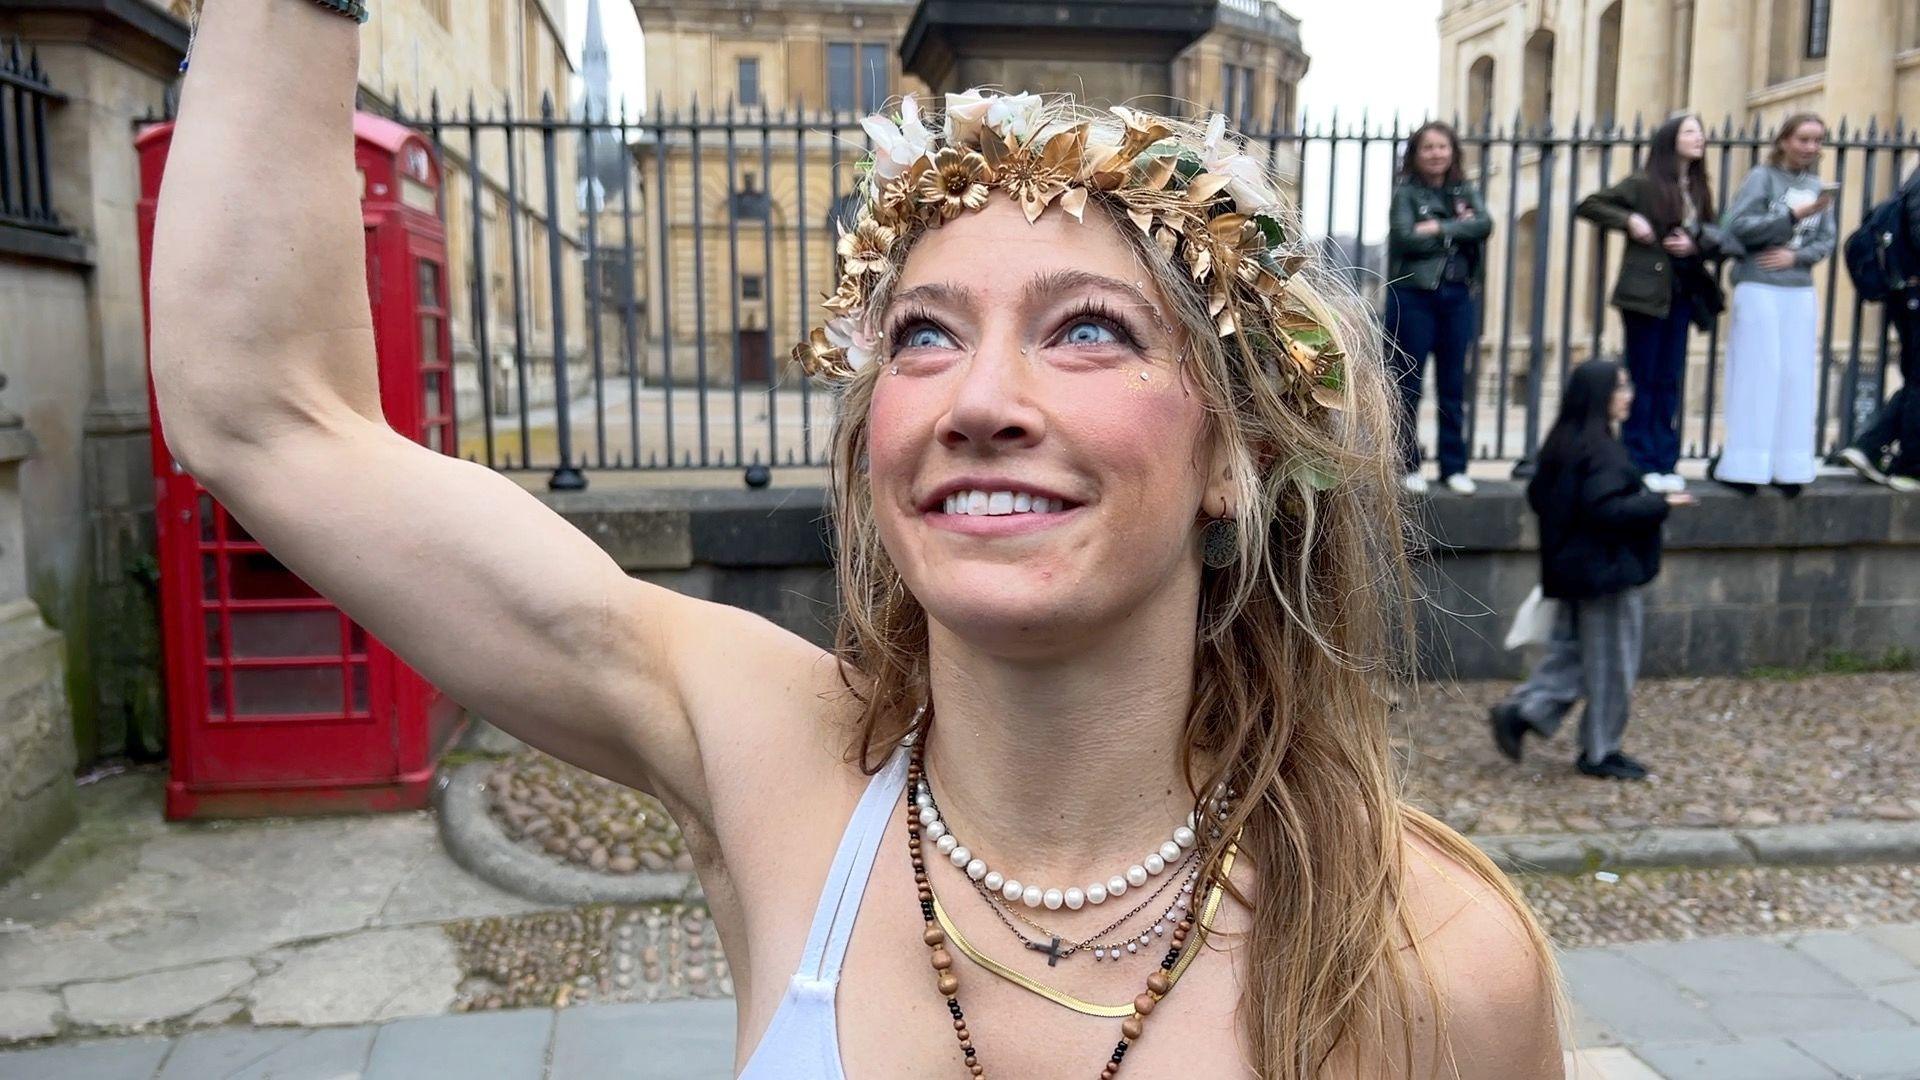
(1052,949)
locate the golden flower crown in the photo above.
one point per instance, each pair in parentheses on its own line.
(1212,210)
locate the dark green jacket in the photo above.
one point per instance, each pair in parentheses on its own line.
(1646,282)
(1415,261)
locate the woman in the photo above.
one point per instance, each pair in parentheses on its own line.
(1666,210)
(1111,503)
(1435,231)
(1782,215)
(1599,543)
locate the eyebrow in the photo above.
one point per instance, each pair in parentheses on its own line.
(1053,282)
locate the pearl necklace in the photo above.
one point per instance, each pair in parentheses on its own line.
(1170,853)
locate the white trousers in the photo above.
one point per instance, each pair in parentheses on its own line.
(1772,365)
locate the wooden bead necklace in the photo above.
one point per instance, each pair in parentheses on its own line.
(1159,984)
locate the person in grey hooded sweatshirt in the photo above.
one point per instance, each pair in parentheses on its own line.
(1783,217)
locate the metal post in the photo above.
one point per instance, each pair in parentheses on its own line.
(519,288)
(475,184)
(565,476)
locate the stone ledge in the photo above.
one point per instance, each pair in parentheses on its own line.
(1837,843)
(478,845)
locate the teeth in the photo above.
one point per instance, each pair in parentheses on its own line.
(1000,503)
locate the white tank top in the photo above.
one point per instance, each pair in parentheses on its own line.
(803,1041)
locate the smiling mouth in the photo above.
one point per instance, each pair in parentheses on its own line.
(977,503)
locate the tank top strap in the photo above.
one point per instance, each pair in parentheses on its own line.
(847,881)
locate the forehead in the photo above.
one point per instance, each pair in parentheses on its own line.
(996,252)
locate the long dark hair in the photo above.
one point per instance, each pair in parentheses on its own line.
(1410,161)
(1584,422)
(1664,166)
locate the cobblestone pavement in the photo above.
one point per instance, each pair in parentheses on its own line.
(1724,751)
(1820,1006)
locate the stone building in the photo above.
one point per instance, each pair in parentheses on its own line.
(1748,63)
(72,345)
(835,61)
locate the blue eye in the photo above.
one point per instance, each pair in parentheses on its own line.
(925,336)
(1089,332)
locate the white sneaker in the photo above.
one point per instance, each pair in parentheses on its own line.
(1414,484)
(1905,485)
(1461,484)
(1864,465)
(1674,482)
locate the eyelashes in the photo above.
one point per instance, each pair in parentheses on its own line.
(1092,310)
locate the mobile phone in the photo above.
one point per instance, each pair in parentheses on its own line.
(1830,186)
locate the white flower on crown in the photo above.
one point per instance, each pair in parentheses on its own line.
(1247,181)
(897,146)
(851,334)
(1015,116)
(965,114)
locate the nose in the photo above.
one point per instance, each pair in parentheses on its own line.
(992,407)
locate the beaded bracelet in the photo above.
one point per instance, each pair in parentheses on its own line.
(352,9)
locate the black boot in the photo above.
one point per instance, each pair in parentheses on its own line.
(1790,491)
(1740,486)
(1614,766)
(1509,729)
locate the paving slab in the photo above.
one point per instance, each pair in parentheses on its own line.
(150,999)
(28,1014)
(499,1045)
(1753,1059)
(1902,996)
(338,1053)
(206,1054)
(360,978)
(1904,940)
(1724,966)
(1633,1002)
(1858,958)
(1607,1063)
(105,1059)
(1790,1014)
(682,1040)
(1890,1056)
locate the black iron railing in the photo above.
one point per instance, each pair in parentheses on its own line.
(25,93)
(655,270)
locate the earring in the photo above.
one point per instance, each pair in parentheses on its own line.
(1220,543)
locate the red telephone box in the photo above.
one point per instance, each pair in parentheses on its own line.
(277,702)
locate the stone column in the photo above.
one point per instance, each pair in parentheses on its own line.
(36,730)
(1646,61)
(1860,48)
(1722,64)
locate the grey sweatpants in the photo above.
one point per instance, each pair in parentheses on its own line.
(1594,653)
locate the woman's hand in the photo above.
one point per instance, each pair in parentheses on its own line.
(1817,206)
(1640,229)
(1427,228)
(1774,258)
(1681,498)
(1679,244)
(1462,210)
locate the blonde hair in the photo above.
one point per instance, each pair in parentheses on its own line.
(1777,156)
(1294,662)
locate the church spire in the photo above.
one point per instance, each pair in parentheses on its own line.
(596,71)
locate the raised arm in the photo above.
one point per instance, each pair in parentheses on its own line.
(264,369)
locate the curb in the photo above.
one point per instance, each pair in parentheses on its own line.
(476,843)
(1836,843)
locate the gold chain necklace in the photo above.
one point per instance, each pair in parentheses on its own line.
(1062,998)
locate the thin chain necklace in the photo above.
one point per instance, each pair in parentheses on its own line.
(1159,984)
(1102,950)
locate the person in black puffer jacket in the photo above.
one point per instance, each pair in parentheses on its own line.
(1599,543)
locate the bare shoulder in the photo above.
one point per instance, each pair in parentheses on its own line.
(1486,965)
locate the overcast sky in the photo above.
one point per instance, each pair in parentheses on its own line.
(1379,58)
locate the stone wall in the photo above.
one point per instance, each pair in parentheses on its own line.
(1747,582)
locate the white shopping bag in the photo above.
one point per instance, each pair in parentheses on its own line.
(1533,624)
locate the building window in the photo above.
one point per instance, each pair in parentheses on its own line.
(752,287)
(841,85)
(1238,94)
(749,80)
(1818,12)
(1480,94)
(859,76)
(873,77)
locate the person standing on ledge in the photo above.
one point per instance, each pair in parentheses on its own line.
(1887,450)
(1599,543)
(1436,229)
(1116,526)
(1665,285)
(1783,217)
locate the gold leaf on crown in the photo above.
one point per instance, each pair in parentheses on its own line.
(1212,212)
